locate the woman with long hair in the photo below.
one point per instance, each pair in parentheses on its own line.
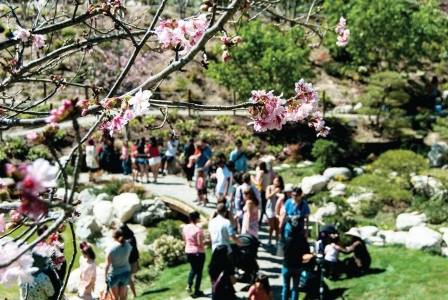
(142,160)
(221,273)
(272,194)
(262,181)
(87,275)
(250,215)
(118,269)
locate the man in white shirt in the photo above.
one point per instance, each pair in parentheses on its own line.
(223,179)
(221,230)
(170,153)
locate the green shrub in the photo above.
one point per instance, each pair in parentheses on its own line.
(39,152)
(16,148)
(403,162)
(130,187)
(111,188)
(147,275)
(166,227)
(169,251)
(146,259)
(435,208)
(392,192)
(326,153)
(223,122)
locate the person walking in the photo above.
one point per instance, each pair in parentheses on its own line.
(118,269)
(250,216)
(129,236)
(221,273)
(224,178)
(87,274)
(201,187)
(194,249)
(189,168)
(239,197)
(142,161)
(92,158)
(170,153)
(239,157)
(262,180)
(272,194)
(153,153)
(221,230)
(125,157)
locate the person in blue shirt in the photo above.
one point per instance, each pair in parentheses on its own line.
(295,215)
(238,156)
(204,158)
(294,237)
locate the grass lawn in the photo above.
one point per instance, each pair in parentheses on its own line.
(402,274)
(294,175)
(172,282)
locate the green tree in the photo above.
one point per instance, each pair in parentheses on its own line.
(388,34)
(268,59)
(385,100)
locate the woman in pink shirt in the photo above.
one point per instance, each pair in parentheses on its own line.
(194,248)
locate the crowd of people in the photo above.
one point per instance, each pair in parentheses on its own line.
(244,201)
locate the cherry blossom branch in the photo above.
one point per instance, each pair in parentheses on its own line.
(29,247)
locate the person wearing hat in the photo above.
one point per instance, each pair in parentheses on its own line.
(287,191)
(360,262)
(194,248)
(238,156)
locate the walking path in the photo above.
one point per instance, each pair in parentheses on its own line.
(177,187)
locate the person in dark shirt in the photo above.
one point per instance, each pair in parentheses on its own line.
(294,248)
(129,236)
(360,262)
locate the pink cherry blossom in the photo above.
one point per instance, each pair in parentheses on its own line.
(22,34)
(32,136)
(40,176)
(226,56)
(21,270)
(182,34)
(2,223)
(59,114)
(118,122)
(270,114)
(140,102)
(38,41)
(303,104)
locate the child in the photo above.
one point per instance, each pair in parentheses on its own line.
(201,187)
(88,272)
(331,259)
(261,289)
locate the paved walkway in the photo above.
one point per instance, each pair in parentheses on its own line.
(177,187)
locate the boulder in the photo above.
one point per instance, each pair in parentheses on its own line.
(313,184)
(423,238)
(354,200)
(427,185)
(375,240)
(394,237)
(125,206)
(343,109)
(103,212)
(438,154)
(357,106)
(368,231)
(103,197)
(87,227)
(304,164)
(336,173)
(329,209)
(444,251)
(61,191)
(358,171)
(405,221)
(86,196)
(334,193)
(337,189)
(152,211)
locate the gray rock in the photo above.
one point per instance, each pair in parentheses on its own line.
(438,154)
(125,206)
(424,238)
(358,171)
(152,211)
(86,196)
(103,197)
(87,227)
(103,212)
(427,185)
(394,237)
(375,240)
(313,184)
(329,209)
(342,172)
(405,221)
(368,231)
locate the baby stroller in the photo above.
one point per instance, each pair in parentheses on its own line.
(311,281)
(245,257)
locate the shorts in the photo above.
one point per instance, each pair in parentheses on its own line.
(202,192)
(142,161)
(154,161)
(118,280)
